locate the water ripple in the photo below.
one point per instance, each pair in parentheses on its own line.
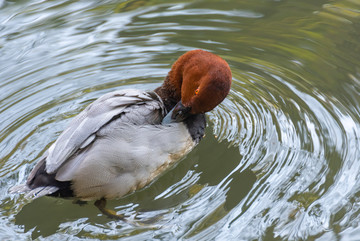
(280,156)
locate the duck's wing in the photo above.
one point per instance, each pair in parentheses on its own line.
(128,106)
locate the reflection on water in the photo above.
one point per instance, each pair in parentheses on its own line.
(280,159)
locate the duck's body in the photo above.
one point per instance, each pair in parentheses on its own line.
(121,142)
(115,146)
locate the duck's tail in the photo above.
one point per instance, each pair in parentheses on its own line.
(40,183)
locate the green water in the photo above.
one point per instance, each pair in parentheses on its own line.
(280,160)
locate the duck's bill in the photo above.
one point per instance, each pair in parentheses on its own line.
(178,114)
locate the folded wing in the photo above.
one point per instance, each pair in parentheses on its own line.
(130,106)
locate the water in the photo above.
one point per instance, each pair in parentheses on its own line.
(280,160)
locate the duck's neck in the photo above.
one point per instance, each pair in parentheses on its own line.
(169,92)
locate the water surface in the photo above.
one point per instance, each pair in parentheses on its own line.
(280,160)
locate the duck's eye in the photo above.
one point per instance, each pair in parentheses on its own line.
(196,91)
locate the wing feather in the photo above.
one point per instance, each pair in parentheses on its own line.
(130,106)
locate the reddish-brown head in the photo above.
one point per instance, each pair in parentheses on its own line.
(200,81)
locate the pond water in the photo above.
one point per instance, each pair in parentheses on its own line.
(280,160)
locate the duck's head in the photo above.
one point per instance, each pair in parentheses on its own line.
(197,83)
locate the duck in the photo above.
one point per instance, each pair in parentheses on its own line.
(127,138)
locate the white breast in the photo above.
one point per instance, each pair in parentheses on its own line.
(126,157)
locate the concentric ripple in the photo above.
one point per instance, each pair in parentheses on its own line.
(280,159)
(301,146)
